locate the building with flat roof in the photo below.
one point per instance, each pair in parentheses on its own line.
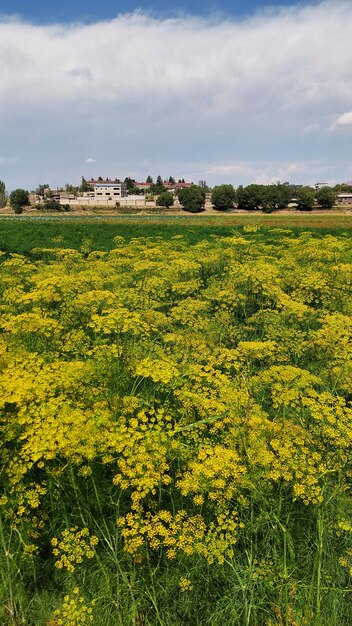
(109,190)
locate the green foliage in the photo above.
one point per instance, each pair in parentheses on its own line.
(249,198)
(223,197)
(156,189)
(165,199)
(305,199)
(85,186)
(3,194)
(50,205)
(129,183)
(40,190)
(275,197)
(175,426)
(71,189)
(326,197)
(19,198)
(192,199)
(342,188)
(269,198)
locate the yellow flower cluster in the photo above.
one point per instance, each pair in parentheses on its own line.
(174,384)
(73,546)
(74,611)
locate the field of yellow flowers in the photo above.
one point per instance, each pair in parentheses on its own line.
(176,431)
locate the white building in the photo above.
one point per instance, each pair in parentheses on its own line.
(109,190)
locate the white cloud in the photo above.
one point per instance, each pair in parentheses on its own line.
(90,160)
(141,91)
(343,120)
(310,128)
(267,171)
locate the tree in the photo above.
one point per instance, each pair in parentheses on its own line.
(71,189)
(250,198)
(305,199)
(285,195)
(40,190)
(159,181)
(171,180)
(85,186)
(129,182)
(192,199)
(149,180)
(275,197)
(325,197)
(165,199)
(343,188)
(157,188)
(18,199)
(223,197)
(3,194)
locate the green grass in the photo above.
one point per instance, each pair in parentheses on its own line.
(20,235)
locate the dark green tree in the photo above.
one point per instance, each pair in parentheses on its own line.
(275,197)
(325,197)
(305,199)
(157,188)
(85,186)
(223,197)
(149,180)
(3,194)
(285,195)
(19,198)
(165,199)
(343,188)
(40,190)
(250,198)
(192,199)
(129,182)
(171,180)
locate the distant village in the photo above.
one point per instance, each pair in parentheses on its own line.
(178,194)
(107,192)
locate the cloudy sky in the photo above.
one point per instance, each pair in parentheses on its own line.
(227,91)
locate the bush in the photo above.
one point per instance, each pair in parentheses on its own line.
(52,205)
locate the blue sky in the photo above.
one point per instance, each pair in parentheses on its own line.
(229,92)
(42,11)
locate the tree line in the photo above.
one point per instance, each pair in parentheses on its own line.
(267,198)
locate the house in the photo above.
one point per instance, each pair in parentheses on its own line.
(344,198)
(108,189)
